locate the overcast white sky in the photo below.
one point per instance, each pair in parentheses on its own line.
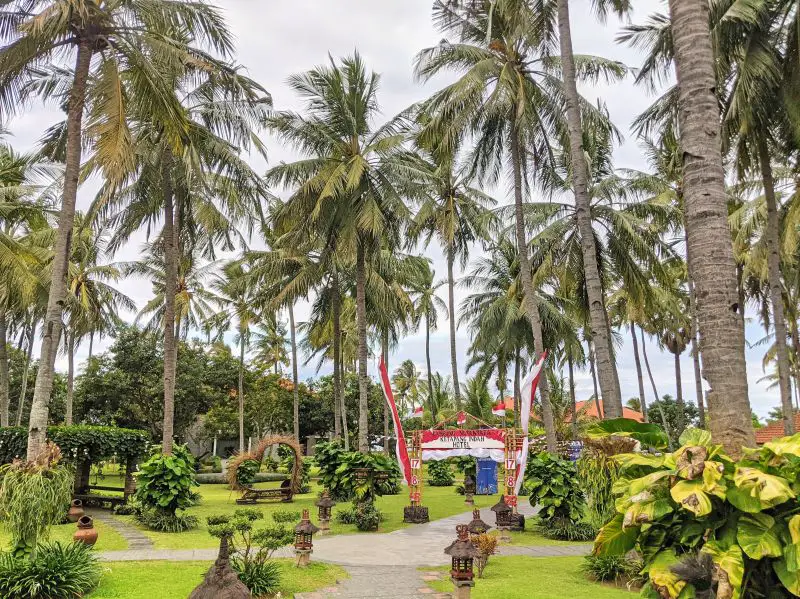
(276,39)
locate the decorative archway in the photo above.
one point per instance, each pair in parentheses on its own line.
(295,481)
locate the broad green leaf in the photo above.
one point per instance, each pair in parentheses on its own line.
(629,460)
(789,579)
(730,568)
(712,474)
(758,536)
(785,446)
(768,489)
(646,482)
(613,539)
(792,550)
(646,433)
(743,500)
(695,436)
(690,495)
(662,577)
(647,513)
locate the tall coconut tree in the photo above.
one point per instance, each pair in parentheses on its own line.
(426,308)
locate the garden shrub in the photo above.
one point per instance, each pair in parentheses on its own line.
(78,442)
(162,521)
(696,511)
(165,485)
(564,530)
(345,516)
(440,474)
(246,472)
(285,516)
(597,472)
(55,571)
(611,568)
(337,471)
(553,485)
(367,516)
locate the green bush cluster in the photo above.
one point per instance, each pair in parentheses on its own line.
(440,474)
(78,442)
(364,515)
(166,485)
(338,467)
(55,571)
(246,472)
(553,485)
(611,568)
(707,524)
(286,516)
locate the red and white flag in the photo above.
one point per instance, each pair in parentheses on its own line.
(528,393)
(415,413)
(400,448)
(461,418)
(499,409)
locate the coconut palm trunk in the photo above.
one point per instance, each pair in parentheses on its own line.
(517,391)
(679,389)
(531,303)
(695,350)
(70,338)
(339,415)
(601,335)
(451,314)
(639,374)
(385,354)
(593,370)
(240,389)
(295,380)
(572,400)
(170,283)
(24,387)
(40,407)
(711,263)
(361,326)
(647,366)
(428,361)
(4,394)
(776,286)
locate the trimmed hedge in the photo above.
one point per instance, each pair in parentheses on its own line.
(95,443)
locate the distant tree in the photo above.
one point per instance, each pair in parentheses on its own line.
(676,422)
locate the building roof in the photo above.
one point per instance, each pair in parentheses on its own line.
(775,430)
(590,411)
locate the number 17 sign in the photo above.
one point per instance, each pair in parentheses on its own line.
(415,464)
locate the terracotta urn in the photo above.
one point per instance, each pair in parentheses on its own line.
(86,533)
(75,511)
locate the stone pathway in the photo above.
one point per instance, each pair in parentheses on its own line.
(137,541)
(379,582)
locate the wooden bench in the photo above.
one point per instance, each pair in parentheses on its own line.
(91,500)
(253,496)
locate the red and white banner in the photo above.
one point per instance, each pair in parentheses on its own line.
(499,409)
(461,418)
(400,449)
(415,413)
(528,393)
(483,443)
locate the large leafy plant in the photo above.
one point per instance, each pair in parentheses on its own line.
(338,471)
(166,482)
(553,485)
(705,523)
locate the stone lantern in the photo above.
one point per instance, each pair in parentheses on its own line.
(462,553)
(470,488)
(325,503)
(477,527)
(505,519)
(303,540)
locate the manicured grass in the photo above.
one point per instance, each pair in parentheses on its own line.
(168,580)
(108,539)
(522,577)
(218,499)
(532,537)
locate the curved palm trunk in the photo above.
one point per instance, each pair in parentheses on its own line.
(91,344)
(295,379)
(531,302)
(170,283)
(70,337)
(451,311)
(601,335)
(639,375)
(40,407)
(572,400)
(361,326)
(679,391)
(593,370)
(711,263)
(4,396)
(24,387)
(241,391)
(385,353)
(517,391)
(776,287)
(428,363)
(647,366)
(339,414)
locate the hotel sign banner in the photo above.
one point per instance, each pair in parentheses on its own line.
(442,444)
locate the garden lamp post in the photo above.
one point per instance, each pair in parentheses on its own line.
(325,503)
(462,554)
(477,527)
(504,515)
(303,540)
(470,488)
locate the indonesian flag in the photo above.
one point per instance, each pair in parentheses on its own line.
(499,409)
(528,392)
(400,448)
(415,413)
(461,418)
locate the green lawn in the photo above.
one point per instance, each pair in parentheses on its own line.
(168,580)
(218,499)
(522,577)
(108,539)
(530,537)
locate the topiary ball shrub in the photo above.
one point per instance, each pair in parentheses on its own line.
(54,571)
(440,474)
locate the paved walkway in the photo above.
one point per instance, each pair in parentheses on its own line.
(137,541)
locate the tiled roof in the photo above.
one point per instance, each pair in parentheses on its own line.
(775,430)
(591,411)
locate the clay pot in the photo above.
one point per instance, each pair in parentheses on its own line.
(86,533)
(75,511)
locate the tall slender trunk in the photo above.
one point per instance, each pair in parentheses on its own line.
(361,326)
(711,262)
(796,345)
(345,425)
(338,414)
(4,401)
(241,390)
(40,407)
(24,387)
(70,338)
(572,400)
(385,354)
(91,344)
(679,390)
(775,286)
(295,379)
(531,303)
(695,350)
(517,391)
(639,375)
(428,364)
(170,284)
(647,366)
(451,314)
(593,371)
(601,335)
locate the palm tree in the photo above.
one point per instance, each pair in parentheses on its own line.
(478,398)
(270,345)
(112,36)
(407,385)
(426,306)
(343,186)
